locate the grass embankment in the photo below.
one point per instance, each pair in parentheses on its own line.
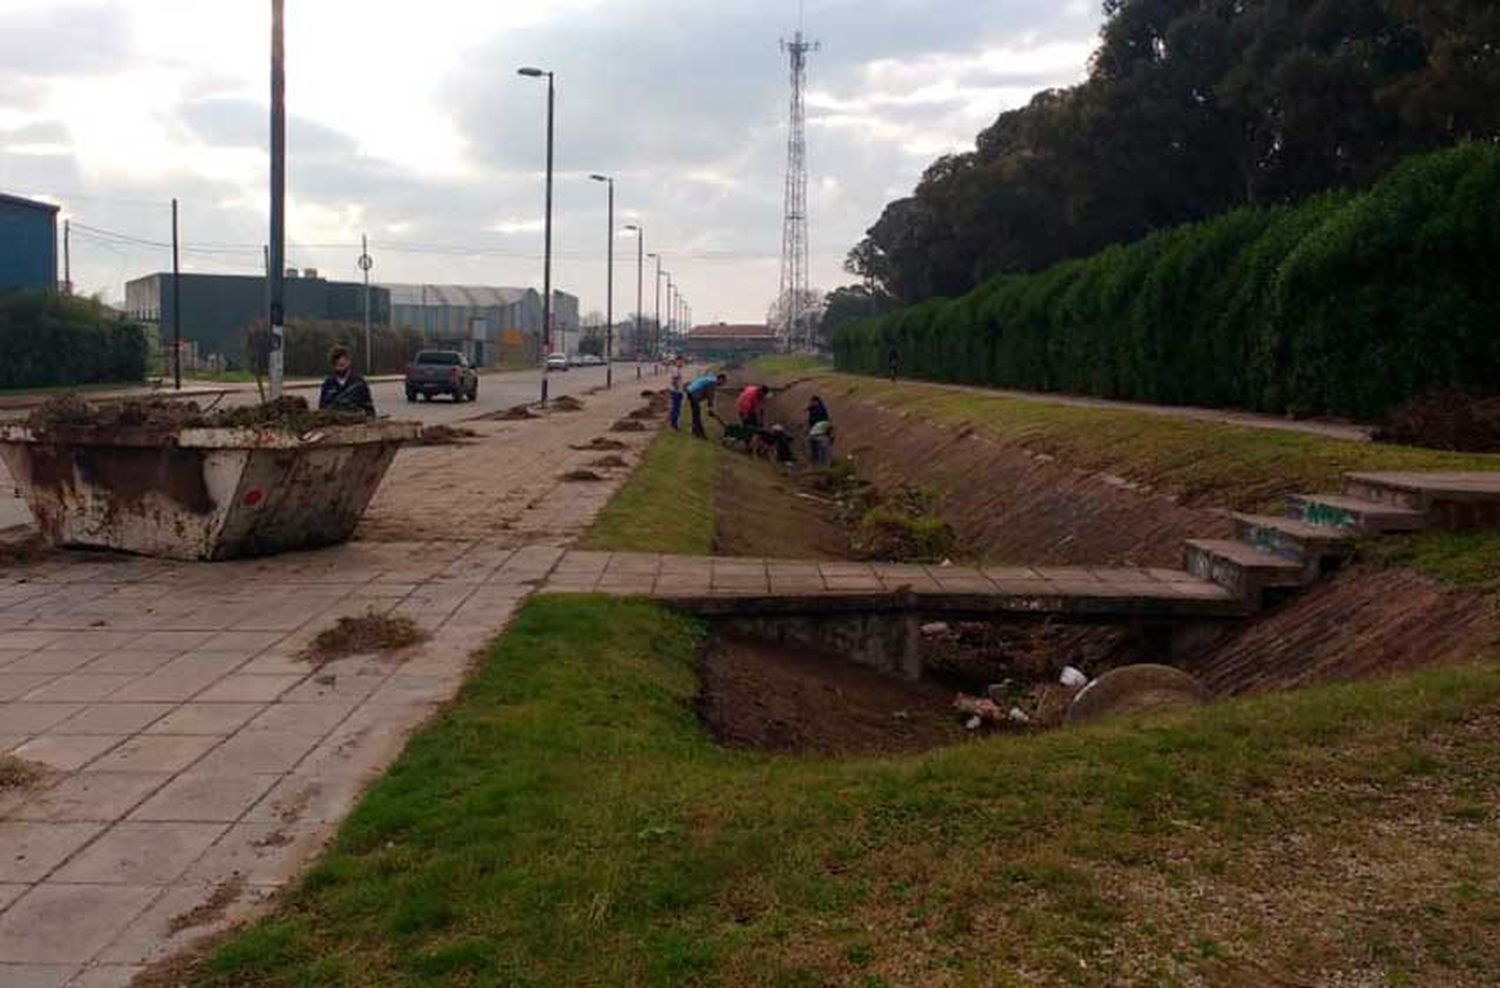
(567,823)
(1203,463)
(667,505)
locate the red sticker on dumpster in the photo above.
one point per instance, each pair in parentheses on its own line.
(254,496)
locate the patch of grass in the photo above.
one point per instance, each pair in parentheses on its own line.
(786,365)
(1463,559)
(667,504)
(567,823)
(1203,463)
(368,633)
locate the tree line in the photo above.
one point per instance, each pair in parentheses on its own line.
(1347,304)
(1191,108)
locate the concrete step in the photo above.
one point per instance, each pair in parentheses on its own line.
(1315,546)
(1354,514)
(1243,569)
(1448,500)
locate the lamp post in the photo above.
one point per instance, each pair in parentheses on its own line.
(365,264)
(657,259)
(535,73)
(276,316)
(640,288)
(609,304)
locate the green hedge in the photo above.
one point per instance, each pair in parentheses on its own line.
(1347,304)
(307,344)
(49,340)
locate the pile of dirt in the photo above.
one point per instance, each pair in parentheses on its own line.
(770,698)
(16,773)
(599,444)
(445,435)
(363,635)
(516,413)
(610,463)
(1449,420)
(289,414)
(628,425)
(581,477)
(567,403)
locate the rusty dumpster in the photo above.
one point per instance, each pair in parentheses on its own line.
(200,493)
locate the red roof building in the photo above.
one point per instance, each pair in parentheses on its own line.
(721,341)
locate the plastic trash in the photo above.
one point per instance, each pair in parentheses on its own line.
(1072,678)
(1018,716)
(973,723)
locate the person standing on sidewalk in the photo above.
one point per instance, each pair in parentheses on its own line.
(700,390)
(344,390)
(674,391)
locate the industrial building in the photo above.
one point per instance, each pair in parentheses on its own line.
(489,324)
(28,245)
(722,341)
(218,309)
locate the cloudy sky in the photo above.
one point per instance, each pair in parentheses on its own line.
(408,123)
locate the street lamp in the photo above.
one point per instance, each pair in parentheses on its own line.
(276,252)
(609,304)
(640,287)
(658,333)
(534,73)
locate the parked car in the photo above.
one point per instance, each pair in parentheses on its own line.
(441,372)
(557,361)
(588,360)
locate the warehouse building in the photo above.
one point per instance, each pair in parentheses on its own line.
(218,309)
(722,341)
(28,245)
(489,324)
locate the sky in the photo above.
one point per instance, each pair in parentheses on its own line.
(408,124)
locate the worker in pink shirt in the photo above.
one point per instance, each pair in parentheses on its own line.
(752,405)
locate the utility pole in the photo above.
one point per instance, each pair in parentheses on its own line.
(609,304)
(547,257)
(657,319)
(277,314)
(67,257)
(365,264)
(176,307)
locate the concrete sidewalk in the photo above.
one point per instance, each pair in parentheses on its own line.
(197,762)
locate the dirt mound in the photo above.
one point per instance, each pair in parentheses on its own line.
(567,403)
(1451,420)
(445,435)
(610,462)
(290,413)
(368,633)
(599,443)
(628,425)
(518,413)
(581,477)
(773,699)
(16,773)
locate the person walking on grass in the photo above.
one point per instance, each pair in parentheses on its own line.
(344,390)
(674,391)
(698,391)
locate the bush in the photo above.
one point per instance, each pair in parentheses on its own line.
(51,340)
(306,345)
(1452,420)
(1348,304)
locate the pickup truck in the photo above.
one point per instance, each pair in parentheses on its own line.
(441,372)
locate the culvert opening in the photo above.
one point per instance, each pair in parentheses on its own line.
(979,679)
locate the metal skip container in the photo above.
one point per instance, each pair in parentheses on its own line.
(200,493)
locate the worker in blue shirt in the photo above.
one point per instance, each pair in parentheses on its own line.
(700,390)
